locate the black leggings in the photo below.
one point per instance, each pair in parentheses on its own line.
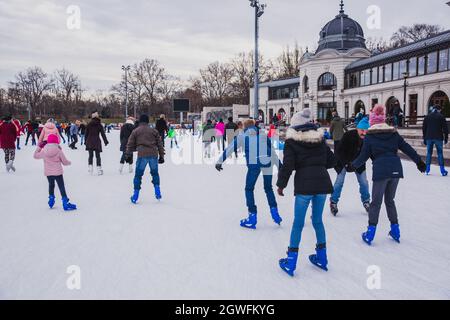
(51,185)
(97,157)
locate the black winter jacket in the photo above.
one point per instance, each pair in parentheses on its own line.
(435,127)
(348,150)
(306,152)
(161,127)
(125,133)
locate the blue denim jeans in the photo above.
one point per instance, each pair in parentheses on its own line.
(363,186)
(301,207)
(141,164)
(82,139)
(439,146)
(253,173)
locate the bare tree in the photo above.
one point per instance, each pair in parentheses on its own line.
(34,83)
(151,75)
(377,45)
(216,82)
(417,32)
(67,87)
(170,87)
(288,63)
(244,73)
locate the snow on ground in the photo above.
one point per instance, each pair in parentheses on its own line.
(190,245)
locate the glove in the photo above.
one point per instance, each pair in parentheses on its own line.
(106,143)
(219,167)
(350,168)
(280,192)
(338,169)
(161,160)
(128,157)
(421,166)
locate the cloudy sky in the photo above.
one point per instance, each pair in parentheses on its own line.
(184,35)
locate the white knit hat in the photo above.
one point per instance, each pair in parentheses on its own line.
(301,118)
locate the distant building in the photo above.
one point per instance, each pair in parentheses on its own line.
(344,75)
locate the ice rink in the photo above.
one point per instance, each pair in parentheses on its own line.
(190,245)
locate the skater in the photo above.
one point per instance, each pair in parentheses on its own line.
(230,130)
(259,158)
(207,136)
(28,127)
(49,128)
(125,133)
(172,135)
(18,125)
(94,130)
(67,132)
(82,132)
(381,144)
(162,127)
(73,132)
(337,128)
(60,131)
(8,136)
(54,159)
(220,135)
(435,133)
(347,151)
(148,144)
(306,153)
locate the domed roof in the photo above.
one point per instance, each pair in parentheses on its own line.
(342,33)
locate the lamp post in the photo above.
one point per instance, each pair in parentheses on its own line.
(259,11)
(405,85)
(334,96)
(126,69)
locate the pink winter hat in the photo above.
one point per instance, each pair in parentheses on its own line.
(53,138)
(378,115)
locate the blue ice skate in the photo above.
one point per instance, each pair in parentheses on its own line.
(51,201)
(158,195)
(289,264)
(369,235)
(320,259)
(134,198)
(444,172)
(395,232)
(250,222)
(67,206)
(276,216)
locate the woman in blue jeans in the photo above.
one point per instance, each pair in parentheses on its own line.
(306,152)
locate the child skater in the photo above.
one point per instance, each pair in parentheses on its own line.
(54,159)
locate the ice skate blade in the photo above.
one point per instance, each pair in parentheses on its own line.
(396,240)
(248,227)
(287,271)
(317,265)
(369,243)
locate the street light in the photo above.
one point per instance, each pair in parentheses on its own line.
(405,85)
(259,11)
(126,69)
(334,96)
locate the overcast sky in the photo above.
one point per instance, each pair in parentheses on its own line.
(184,35)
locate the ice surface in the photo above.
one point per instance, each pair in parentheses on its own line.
(190,245)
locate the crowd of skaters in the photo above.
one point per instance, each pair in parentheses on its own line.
(305,151)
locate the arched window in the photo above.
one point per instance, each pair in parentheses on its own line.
(327,81)
(306,84)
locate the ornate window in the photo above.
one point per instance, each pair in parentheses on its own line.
(327,81)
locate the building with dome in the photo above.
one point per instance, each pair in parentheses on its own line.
(343,74)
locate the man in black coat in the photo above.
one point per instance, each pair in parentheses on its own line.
(125,133)
(162,127)
(435,133)
(347,151)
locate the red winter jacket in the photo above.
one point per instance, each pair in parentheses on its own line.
(8,135)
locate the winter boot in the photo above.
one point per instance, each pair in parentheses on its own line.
(289,264)
(369,235)
(276,216)
(8,167)
(366,206)
(334,208)
(99,171)
(134,198)
(51,201)
(428,169)
(121,168)
(250,222)
(12,166)
(444,172)
(67,206)
(320,258)
(395,232)
(158,195)
(130,168)
(91,169)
